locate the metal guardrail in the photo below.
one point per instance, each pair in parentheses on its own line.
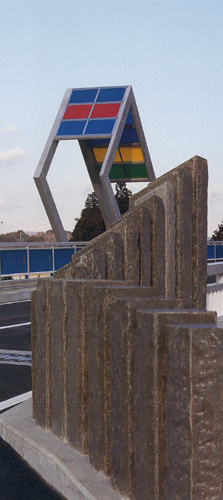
(215,286)
(215,299)
(30,259)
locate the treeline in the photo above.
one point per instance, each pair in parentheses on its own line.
(20,235)
(89,225)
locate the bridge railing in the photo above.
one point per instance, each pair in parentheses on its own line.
(214,251)
(215,288)
(24,259)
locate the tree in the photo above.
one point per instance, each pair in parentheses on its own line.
(218,233)
(90,223)
(122,195)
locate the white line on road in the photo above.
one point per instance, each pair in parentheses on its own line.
(14,302)
(15,400)
(12,351)
(15,326)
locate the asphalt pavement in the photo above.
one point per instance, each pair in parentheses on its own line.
(15,326)
(17,480)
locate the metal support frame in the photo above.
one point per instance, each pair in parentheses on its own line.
(42,171)
(100,180)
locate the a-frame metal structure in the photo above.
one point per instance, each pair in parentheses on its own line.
(106,122)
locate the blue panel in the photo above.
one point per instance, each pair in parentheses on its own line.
(98,142)
(219,251)
(62,256)
(129,136)
(71,128)
(111,95)
(99,127)
(13,261)
(83,95)
(210,252)
(40,260)
(130,120)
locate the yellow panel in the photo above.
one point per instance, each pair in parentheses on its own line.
(100,153)
(131,154)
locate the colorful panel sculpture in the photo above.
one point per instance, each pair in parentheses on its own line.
(107,125)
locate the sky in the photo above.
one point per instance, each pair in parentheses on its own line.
(170,51)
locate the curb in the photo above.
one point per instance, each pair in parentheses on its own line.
(60,465)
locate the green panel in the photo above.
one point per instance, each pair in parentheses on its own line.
(136,171)
(117,172)
(127,172)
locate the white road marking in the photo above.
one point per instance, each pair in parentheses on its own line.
(15,400)
(22,358)
(16,352)
(14,302)
(14,326)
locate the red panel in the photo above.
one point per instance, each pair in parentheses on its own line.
(73,112)
(105,110)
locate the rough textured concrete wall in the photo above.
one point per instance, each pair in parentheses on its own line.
(189,190)
(169,239)
(127,364)
(130,393)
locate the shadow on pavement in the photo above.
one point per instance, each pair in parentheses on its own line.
(18,481)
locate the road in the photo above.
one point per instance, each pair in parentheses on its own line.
(17,480)
(15,335)
(15,326)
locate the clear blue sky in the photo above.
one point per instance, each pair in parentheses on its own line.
(170,51)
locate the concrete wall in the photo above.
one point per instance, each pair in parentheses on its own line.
(160,241)
(127,364)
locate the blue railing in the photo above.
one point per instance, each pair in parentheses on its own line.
(27,259)
(215,251)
